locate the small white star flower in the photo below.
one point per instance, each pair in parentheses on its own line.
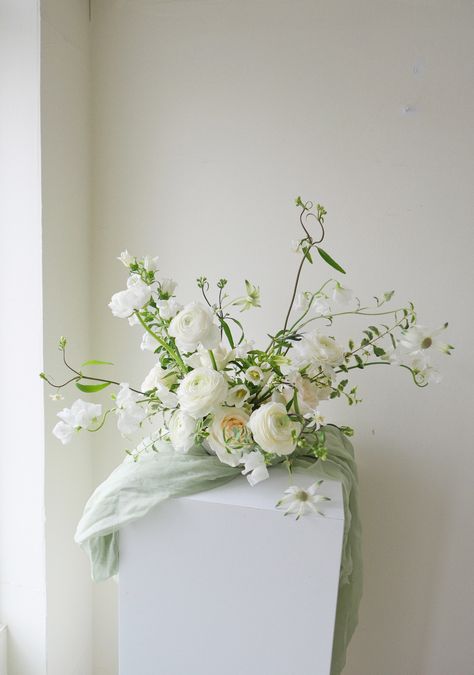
(299,501)
(419,338)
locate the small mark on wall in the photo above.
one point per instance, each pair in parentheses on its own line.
(408,109)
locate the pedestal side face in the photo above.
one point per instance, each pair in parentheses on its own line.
(209,588)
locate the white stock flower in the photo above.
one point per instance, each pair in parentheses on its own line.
(148,344)
(299,501)
(159,376)
(237,395)
(79,416)
(228,434)
(202,357)
(255,467)
(134,297)
(125,258)
(194,325)
(168,308)
(273,430)
(201,391)
(322,350)
(419,338)
(129,413)
(181,428)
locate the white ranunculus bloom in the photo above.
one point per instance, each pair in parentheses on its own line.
(255,467)
(193,326)
(318,349)
(79,416)
(130,414)
(169,308)
(134,297)
(148,344)
(228,434)
(202,357)
(299,501)
(182,428)
(273,430)
(201,391)
(159,376)
(237,395)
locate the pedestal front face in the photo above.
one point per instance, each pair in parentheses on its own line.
(222,584)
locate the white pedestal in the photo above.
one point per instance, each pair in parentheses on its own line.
(220,583)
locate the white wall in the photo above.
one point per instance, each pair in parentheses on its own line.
(22,546)
(66,227)
(209,117)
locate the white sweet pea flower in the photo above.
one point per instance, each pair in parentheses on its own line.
(273,430)
(167,397)
(237,395)
(168,287)
(134,297)
(194,325)
(79,416)
(228,435)
(419,338)
(182,428)
(150,264)
(159,376)
(255,467)
(299,501)
(341,295)
(133,320)
(254,374)
(201,391)
(243,348)
(148,343)
(129,413)
(125,258)
(202,357)
(320,350)
(424,371)
(168,309)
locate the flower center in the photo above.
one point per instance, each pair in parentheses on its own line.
(426,343)
(302,496)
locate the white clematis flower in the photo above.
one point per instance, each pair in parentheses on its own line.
(255,467)
(228,435)
(419,338)
(194,325)
(182,428)
(201,391)
(299,501)
(129,413)
(273,430)
(134,297)
(79,416)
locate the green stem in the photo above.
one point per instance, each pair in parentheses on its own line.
(213,359)
(174,355)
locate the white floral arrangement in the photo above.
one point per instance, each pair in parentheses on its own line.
(212,387)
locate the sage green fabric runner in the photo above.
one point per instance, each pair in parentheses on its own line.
(135,487)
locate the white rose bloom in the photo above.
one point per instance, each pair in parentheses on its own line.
(273,430)
(318,349)
(134,297)
(201,391)
(148,344)
(237,395)
(169,308)
(129,413)
(182,428)
(228,435)
(79,416)
(255,467)
(168,286)
(195,325)
(202,357)
(159,376)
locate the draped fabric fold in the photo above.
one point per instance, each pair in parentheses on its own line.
(135,487)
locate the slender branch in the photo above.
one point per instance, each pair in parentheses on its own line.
(174,355)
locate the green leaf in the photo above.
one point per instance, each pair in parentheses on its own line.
(307,254)
(94,362)
(330,261)
(378,351)
(91,388)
